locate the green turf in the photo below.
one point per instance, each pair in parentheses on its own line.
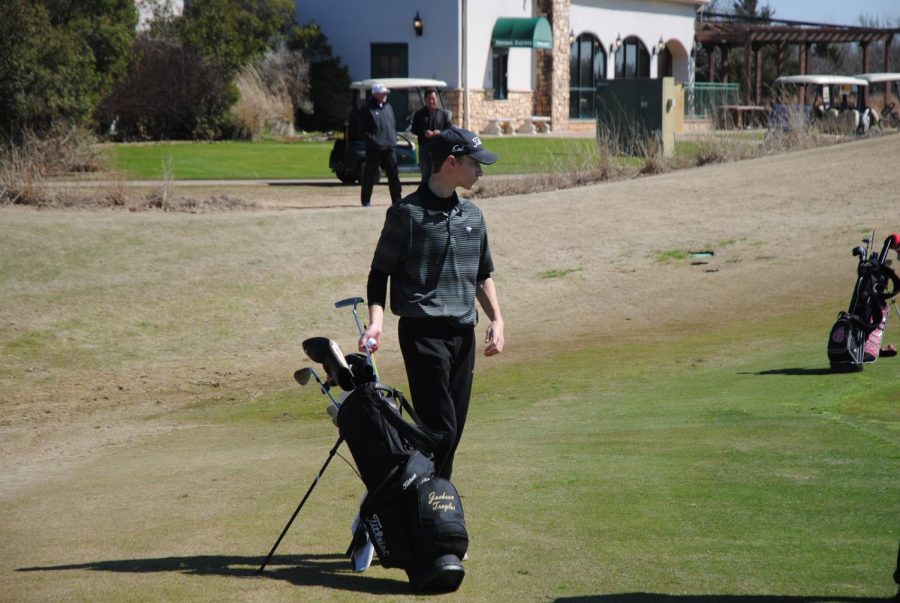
(694,465)
(288,160)
(739,467)
(222,160)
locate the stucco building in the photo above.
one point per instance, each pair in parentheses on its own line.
(511,58)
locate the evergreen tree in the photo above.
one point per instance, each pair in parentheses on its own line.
(58,58)
(329,80)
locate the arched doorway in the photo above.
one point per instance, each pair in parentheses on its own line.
(664,63)
(587,66)
(632,59)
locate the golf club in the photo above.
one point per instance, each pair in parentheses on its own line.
(355,301)
(331,454)
(302,377)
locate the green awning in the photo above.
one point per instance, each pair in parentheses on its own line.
(510,32)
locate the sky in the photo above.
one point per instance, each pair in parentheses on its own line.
(838,12)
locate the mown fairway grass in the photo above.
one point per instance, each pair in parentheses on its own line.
(221,160)
(692,464)
(274,160)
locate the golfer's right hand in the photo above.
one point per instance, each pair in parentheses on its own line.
(372,332)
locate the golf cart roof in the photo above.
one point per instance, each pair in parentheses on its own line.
(879,77)
(399,83)
(822,80)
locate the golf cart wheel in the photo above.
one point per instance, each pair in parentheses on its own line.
(346,177)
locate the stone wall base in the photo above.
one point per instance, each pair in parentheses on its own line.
(483,107)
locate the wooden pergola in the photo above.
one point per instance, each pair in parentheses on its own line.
(713,30)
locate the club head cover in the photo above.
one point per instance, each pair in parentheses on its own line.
(362,371)
(327,353)
(894,241)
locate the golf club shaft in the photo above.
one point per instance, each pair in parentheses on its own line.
(359,328)
(331,454)
(326,391)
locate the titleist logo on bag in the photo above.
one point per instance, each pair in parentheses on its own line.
(377,534)
(410,481)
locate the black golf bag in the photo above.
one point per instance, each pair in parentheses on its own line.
(413,518)
(856,335)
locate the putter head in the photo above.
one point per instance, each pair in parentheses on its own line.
(327,353)
(859,251)
(350,301)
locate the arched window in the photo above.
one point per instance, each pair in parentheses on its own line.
(587,66)
(632,59)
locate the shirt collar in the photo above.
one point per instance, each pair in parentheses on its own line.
(434,204)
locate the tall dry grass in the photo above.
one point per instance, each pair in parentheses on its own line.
(25,167)
(261,108)
(609,161)
(582,166)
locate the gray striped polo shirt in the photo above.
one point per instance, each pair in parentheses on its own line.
(434,251)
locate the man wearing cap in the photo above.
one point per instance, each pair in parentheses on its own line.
(434,249)
(427,123)
(378,129)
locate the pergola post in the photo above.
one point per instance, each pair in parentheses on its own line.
(802,50)
(711,53)
(779,58)
(758,59)
(745,72)
(887,53)
(865,56)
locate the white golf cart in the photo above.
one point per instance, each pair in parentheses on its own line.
(882,98)
(348,155)
(834,103)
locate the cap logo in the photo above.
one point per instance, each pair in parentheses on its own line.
(458,148)
(476,142)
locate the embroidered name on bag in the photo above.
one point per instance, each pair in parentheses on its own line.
(442,502)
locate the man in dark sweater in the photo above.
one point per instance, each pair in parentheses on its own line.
(377,126)
(427,123)
(434,249)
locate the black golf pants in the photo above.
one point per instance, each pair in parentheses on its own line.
(440,361)
(387,159)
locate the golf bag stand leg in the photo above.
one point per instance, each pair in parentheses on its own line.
(331,454)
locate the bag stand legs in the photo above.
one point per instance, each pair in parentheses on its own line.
(331,454)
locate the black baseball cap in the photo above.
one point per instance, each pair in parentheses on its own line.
(456,141)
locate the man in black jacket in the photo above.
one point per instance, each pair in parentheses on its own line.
(427,123)
(378,128)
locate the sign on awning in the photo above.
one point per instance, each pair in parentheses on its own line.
(511,32)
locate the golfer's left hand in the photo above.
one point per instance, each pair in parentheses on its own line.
(494,338)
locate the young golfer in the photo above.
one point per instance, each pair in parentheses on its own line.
(434,250)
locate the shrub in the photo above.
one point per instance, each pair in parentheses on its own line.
(169,92)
